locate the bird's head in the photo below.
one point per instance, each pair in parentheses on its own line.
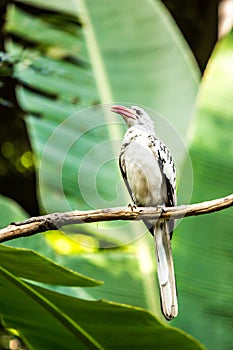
(134,116)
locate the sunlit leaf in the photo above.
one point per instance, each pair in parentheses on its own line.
(41,269)
(65,321)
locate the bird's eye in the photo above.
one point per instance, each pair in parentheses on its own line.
(138,112)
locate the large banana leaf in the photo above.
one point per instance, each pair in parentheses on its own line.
(119,55)
(114,60)
(204,259)
(135,48)
(139,56)
(52,320)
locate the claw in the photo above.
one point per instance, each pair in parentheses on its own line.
(162,208)
(132,206)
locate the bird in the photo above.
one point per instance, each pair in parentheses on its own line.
(149,173)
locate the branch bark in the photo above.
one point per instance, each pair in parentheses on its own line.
(55,221)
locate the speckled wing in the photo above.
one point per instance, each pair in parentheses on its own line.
(167,166)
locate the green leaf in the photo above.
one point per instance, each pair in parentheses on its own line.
(140,57)
(34,30)
(58,6)
(10,211)
(120,271)
(35,267)
(204,244)
(135,327)
(65,321)
(23,308)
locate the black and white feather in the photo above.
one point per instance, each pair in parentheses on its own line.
(149,173)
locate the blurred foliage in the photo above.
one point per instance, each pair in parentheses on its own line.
(9,340)
(61,59)
(204,269)
(58,69)
(10,211)
(16,158)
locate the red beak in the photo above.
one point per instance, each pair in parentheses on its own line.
(124,111)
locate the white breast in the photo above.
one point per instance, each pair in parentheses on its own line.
(142,170)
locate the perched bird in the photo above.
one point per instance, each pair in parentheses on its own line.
(150,176)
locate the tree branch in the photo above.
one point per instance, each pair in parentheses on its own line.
(55,221)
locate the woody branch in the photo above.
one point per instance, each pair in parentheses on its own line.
(55,221)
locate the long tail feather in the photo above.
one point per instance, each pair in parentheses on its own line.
(166,274)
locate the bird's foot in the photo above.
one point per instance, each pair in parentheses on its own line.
(132,206)
(161,207)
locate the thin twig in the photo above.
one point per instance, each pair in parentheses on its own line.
(55,221)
